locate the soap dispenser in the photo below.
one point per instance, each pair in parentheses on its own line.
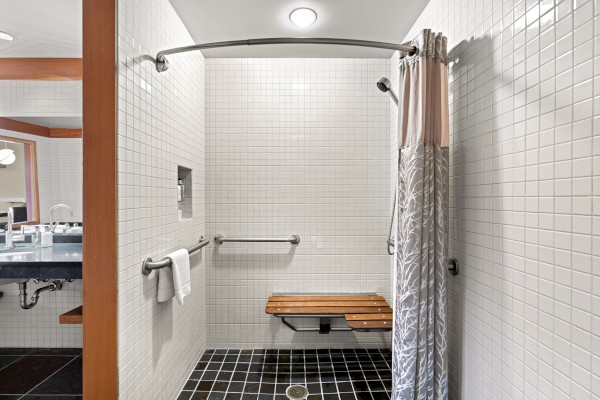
(47,237)
(180,190)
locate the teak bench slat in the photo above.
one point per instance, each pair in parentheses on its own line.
(369,317)
(328,298)
(327,310)
(370,324)
(327,303)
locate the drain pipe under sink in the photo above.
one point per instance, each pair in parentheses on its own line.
(52,286)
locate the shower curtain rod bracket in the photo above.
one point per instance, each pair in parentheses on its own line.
(162,64)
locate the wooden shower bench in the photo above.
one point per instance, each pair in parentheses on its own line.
(364,312)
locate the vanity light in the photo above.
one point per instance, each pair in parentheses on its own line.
(6,36)
(303,17)
(7,156)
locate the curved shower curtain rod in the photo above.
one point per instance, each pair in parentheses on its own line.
(162,64)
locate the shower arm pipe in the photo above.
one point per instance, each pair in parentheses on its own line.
(162,63)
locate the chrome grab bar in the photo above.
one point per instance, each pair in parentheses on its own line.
(148,265)
(294,239)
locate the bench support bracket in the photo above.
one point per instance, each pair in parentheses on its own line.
(324,324)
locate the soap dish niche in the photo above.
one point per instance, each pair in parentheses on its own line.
(184,193)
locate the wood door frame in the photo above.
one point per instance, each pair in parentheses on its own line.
(100,361)
(32,198)
(14,125)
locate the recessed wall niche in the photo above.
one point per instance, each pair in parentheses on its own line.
(184,193)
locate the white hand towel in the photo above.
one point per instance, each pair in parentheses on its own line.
(180,260)
(166,290)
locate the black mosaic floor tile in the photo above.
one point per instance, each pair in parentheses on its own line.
(199,396)
(220,386)
(380,395)
(265,374)
(237,387)
(185,395)
(251,387)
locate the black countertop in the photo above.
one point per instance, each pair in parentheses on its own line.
(62,261)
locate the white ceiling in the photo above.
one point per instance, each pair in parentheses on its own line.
(42,28)
(53,122)
(378,20)
(52,28)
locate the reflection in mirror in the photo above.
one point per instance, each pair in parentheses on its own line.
(18,180)
(46,171)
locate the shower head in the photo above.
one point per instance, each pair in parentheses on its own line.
(385,85)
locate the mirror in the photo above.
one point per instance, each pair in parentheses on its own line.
(18,178)
(41,160)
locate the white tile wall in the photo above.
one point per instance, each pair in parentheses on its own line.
(525,197)
(39,327)
(160,125)
(20,98)
(295,146)
(66,168)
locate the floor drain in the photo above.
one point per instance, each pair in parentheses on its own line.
(296,392)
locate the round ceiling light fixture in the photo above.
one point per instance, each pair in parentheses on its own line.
(6,36)
(303,17)
(7,156)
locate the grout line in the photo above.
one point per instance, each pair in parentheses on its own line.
(50,376)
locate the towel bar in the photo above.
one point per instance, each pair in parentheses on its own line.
(294,239)
(148,265)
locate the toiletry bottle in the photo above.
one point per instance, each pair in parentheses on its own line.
(180,190)
(47,238)
(36,237)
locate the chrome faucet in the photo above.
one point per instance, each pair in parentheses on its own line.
(53,225)
(11,238)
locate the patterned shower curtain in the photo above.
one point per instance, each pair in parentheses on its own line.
(420,366)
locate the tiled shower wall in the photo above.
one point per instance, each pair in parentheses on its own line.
(160,126)
(295,146)
(524,312)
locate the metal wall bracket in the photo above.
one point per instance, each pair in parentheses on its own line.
(324,324)
(453,266)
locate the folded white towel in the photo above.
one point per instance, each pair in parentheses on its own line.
(180,260)
(166,290)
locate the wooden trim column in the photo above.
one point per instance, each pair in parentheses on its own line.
(100,370)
